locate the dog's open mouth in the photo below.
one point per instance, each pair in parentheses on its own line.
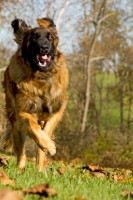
(43,59)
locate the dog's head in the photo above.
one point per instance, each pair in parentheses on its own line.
(38,45)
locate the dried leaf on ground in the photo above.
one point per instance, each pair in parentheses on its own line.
(41,190)
(122,175)
(6,194)
(93,168)
(69,167)
(97,170)
(125,180)
(99,174)
(4,179)
(3,162)
(127,172)
(61,170)
(126,193)
(118,178)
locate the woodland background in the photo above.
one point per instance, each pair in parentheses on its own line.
(96,38)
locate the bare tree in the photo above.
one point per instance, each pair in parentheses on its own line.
(97,22)
(62,10)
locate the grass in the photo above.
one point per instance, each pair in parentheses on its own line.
(109,88)
(76,183)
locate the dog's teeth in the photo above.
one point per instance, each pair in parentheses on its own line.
(42,64)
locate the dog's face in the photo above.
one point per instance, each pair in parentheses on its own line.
(38,45)
(38,48)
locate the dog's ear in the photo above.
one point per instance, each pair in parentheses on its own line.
(46,22)
(20,28)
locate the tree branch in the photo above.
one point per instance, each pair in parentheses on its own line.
(67,2)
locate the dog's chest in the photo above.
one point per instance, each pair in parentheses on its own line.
(43,98)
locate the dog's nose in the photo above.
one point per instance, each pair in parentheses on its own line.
(44,48)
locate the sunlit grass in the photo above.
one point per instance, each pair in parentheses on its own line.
(73,184)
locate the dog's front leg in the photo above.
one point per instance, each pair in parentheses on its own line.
(48,128)
(28,124)
(52,122)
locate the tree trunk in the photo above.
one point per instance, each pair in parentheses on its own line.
(88,82)
(98,19)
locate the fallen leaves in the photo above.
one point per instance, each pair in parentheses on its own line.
(118,178)
(4,179)
(61,170)
(41,190)
(126,193)
(6,194)
(3,162)
(122,175)
(93,168)
(97,171)
(113,174)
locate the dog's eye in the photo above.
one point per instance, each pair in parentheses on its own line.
(49,36)
(35,36)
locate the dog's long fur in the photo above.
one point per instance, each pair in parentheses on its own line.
(35,84)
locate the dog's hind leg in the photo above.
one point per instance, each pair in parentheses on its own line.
(6,138)
(18,146)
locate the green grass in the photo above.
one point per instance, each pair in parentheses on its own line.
(82,186)
(108,82)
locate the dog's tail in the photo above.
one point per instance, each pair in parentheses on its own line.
(6,139)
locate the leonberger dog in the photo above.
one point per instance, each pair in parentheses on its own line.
(35,84)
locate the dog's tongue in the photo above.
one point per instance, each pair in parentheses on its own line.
(44,58)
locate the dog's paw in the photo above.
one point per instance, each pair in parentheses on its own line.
(52,148)
(46,144)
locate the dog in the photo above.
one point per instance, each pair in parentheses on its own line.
(35,84)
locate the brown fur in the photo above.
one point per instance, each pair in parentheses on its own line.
(35,100)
